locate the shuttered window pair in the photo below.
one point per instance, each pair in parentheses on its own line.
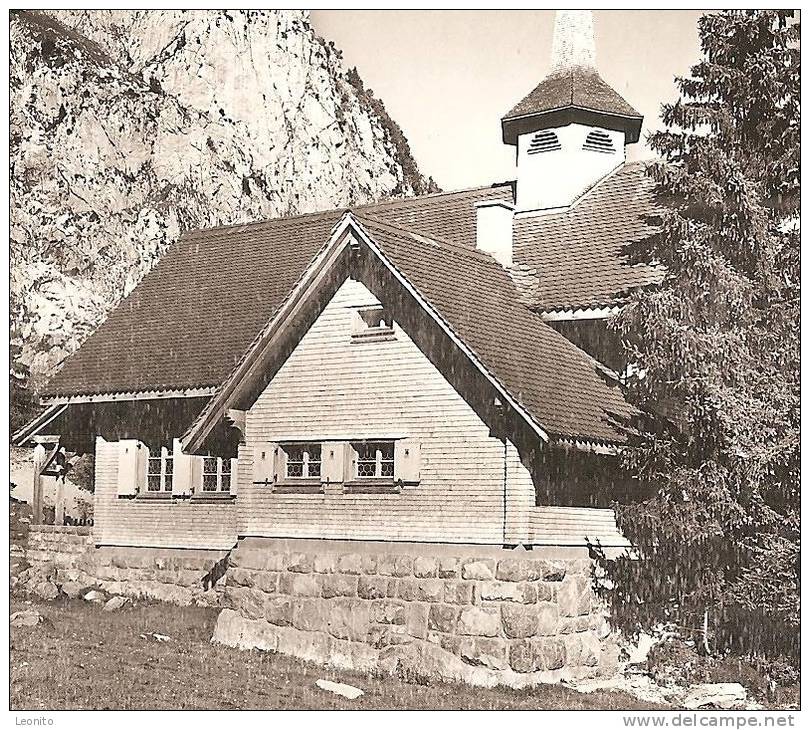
(170,472)
(346,463)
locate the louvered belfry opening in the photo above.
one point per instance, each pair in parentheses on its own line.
(598,141)
(545,141)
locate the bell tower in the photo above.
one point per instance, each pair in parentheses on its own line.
(572,129)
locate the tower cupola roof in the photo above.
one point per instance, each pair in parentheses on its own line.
(573,91)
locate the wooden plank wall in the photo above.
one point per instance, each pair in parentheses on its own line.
(333,387)
(170,523)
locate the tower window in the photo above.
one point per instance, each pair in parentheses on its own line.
(545,141)
(598,141)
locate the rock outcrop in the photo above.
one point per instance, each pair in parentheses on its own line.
(128,127)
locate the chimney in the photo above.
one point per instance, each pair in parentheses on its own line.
(493,229)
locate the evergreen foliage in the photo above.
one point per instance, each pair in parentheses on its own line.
(717,347)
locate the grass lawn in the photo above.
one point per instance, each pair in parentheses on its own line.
(83,658)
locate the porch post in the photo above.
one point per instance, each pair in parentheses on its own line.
(39,463)
(59,515)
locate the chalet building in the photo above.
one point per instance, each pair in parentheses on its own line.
(433,370)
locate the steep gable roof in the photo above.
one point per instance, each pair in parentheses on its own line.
(192,317)
(555,385)
(560,385)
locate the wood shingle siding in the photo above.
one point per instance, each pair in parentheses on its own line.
(155,523)
(332,387)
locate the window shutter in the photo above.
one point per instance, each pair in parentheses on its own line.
(128,450)
(182,466)
(349,461)
(332,456)
(234,476)
(143,467)
(265,458)
(407,461)
(196,472)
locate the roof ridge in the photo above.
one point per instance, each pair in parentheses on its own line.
(421,237)
(342,209)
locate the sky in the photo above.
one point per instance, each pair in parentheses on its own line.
(448,76)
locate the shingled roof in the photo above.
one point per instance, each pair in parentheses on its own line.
(572,89)
(561,390)
(581,254)
(191,318)
(559,385)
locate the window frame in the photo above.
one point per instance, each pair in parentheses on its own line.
(379,461)
(165,475)
(218,475)
(306,478)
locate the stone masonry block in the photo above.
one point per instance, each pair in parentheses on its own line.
(574,596)
(278,610)
(443,618)
(388,612)
(449,567)
(310,614)
(517,569)
(395,565)
(349,619)
(300,584)
(300,562)
(426,567)
(265,581)
(548,619)
(489,653)
(476,621)
(351,563)
(519,621)
(371,587)
(513,592)
(416,619)
(339,585)
(414,589)
(240,577)
(552,571)
(325,563)
(459,592)
(475,569)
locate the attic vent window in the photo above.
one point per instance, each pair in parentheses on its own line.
(598,141)
(545,141)
(372,323)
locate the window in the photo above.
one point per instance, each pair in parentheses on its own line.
(303,461)
(375,460)
(216,474)
(545,141)
(598,141)
(372,323)
(159,472)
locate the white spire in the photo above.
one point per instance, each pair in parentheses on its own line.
(573,44)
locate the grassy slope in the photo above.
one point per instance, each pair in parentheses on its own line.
(84,658)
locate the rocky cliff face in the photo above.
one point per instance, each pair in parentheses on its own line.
(128,127)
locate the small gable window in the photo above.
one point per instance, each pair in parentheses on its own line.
(372,324)
(545,141)
(599,141)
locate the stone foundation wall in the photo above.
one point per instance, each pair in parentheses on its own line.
(479,615)
(64,560)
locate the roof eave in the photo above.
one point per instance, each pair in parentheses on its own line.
(513,126)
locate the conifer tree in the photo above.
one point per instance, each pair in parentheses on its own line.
(717,352)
